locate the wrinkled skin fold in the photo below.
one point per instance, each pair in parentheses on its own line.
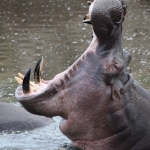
(102,106)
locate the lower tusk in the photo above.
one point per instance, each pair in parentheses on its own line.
(38,72)
(26,82)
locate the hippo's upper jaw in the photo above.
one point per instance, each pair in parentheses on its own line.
(95,96)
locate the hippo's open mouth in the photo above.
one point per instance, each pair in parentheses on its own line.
(39,92)
(29,88)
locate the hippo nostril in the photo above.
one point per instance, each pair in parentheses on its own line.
(38,71)
(26,82)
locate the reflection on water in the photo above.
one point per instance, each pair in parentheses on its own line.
(30,29)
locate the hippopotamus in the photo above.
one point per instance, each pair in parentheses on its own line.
(102,106)
(15,118)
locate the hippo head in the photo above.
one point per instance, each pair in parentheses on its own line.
(88,95)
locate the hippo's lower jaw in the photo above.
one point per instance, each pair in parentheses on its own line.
(39,97)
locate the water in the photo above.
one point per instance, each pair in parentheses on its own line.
(43,138)
(136,40)
(49,138)
(53,29)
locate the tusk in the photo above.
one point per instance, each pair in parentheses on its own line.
(25,84)
(38,71)
(41,65)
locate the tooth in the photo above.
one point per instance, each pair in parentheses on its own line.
(26,81)
(19,80)
(21,76)
(32,89)
(89,3)
(33,85)
(38,71)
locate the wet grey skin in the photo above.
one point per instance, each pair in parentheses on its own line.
(102,106)
(15,118)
